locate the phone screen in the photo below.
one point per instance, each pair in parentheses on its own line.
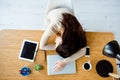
(87,51)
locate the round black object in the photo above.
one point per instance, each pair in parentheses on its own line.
(86,66)
(104,67)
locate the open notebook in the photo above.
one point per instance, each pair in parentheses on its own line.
(70,68)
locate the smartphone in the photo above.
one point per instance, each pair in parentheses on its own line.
(87,54)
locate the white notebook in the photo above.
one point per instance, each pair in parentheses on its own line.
(70,68)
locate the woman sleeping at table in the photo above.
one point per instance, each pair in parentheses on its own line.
(70,37)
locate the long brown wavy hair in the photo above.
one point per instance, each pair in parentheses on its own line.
(73,38)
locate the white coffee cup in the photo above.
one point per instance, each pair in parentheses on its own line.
(87,66)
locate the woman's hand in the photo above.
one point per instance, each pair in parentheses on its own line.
(58,40)
(60,65)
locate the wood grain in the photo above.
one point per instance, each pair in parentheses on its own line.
(10,44)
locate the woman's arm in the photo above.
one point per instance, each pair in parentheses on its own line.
(76,55)
(44,39)
(60,64)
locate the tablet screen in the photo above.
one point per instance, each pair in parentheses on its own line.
(28,50)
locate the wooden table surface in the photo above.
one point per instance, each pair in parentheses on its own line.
(10,44)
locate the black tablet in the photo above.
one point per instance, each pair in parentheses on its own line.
(28,50)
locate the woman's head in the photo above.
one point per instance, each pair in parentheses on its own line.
(73,37)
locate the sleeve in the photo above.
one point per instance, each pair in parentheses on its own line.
(44,39)
(76,55)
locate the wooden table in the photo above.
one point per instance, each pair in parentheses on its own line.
(10,44)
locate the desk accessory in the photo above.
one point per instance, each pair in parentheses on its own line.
(38,67)
(25,71)
(112,49)
(103,68)
(87,54)
(28,50)
(87,66)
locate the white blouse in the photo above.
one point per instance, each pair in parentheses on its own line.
(53,26)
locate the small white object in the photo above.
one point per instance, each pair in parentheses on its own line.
(87,66)
(28,50)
